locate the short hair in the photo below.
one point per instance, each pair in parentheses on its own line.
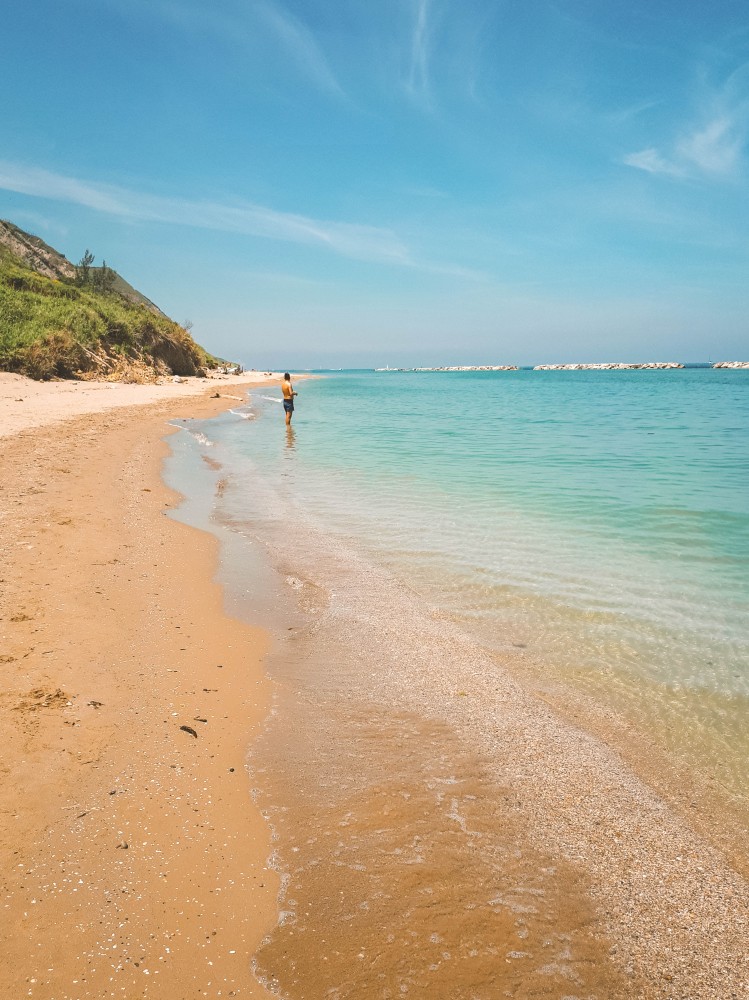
(286,376)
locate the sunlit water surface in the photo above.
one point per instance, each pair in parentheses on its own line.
(587,530)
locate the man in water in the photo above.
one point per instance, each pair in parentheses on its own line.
(288,397)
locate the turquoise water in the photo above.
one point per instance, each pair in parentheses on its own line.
(595,522)
(510,669)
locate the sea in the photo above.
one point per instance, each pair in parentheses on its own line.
(414,534)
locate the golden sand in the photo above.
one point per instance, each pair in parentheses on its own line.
(133,859)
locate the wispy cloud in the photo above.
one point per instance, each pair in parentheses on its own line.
(653,162)
(299,42)
(418,83)
(622,115)
(361,242)
(711,146)
(257,26)
(716,147)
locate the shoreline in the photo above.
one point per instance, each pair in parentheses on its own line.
(25,404)
(385,704)
(626,898)
(135,860)
(136,857)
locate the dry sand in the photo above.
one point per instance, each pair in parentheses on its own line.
(133,858)
(25,404)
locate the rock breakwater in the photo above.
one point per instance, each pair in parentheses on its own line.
(608,366)
(455,368)
(470,368)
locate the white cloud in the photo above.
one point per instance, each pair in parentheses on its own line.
(361,242)
(714,148)
(712,144)
(651,161)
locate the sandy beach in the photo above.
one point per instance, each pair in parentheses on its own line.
(133,859)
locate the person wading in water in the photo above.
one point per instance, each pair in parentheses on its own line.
(288,397)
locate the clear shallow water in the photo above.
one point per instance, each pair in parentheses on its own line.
(586,531)
(621,498)
(597,520)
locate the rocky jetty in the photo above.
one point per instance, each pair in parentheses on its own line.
(580,367)
(608,366)
(469,368)
(455,368)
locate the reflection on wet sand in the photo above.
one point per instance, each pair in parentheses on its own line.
(406,873)
(441,833)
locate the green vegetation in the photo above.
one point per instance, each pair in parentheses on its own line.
(83,326)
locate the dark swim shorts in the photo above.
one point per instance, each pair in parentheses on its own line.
(288,405)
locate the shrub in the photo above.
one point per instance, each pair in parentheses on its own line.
(56,355)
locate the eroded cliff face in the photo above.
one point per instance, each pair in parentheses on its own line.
(35,253)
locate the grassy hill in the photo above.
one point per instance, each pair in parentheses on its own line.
(58,323)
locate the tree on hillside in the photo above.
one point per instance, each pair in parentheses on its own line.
(83,268)
(102,278)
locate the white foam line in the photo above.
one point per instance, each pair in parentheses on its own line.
(201,438)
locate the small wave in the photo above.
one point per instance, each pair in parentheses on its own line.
(272,399)
(244,414)
(201,438)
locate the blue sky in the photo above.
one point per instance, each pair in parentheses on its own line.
(403,181)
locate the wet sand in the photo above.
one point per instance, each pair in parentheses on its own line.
(133,858)
(442,831)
